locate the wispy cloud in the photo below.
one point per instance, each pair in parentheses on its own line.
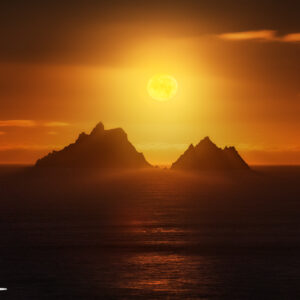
(292,37)
(30,147)
(17,123)
(56,124)
(260,35)
(249,35)
(31,123)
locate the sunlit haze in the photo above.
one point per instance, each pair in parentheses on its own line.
(238,78)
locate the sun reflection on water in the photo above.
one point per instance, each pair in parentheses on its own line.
(161,273)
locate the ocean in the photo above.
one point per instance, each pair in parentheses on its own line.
(149,234)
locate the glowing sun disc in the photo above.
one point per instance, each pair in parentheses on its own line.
(162,87)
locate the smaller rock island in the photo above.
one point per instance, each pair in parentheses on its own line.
(207,156)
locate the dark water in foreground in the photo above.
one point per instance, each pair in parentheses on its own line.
(150,235)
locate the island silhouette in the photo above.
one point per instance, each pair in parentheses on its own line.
(99,149)
(207,156)
(111,149)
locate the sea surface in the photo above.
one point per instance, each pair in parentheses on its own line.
(159,234)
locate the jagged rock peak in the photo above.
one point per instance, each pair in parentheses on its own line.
(206,142)
(191,147)
(98,129)
(230,148)
(118,132)
(206,139)
(82,136)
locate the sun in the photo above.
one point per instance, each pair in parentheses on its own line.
(162,87)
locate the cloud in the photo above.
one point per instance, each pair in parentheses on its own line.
(2,132)
(260,35)
(249,35)
(17,123)
(292,37)
(31,147)
(56,124)
(31,123)
(101,29)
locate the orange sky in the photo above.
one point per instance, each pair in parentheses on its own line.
(237,71)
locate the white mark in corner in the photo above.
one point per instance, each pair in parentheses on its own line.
(3,289)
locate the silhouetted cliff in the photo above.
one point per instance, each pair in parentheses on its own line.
(207,156)
(99,149)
